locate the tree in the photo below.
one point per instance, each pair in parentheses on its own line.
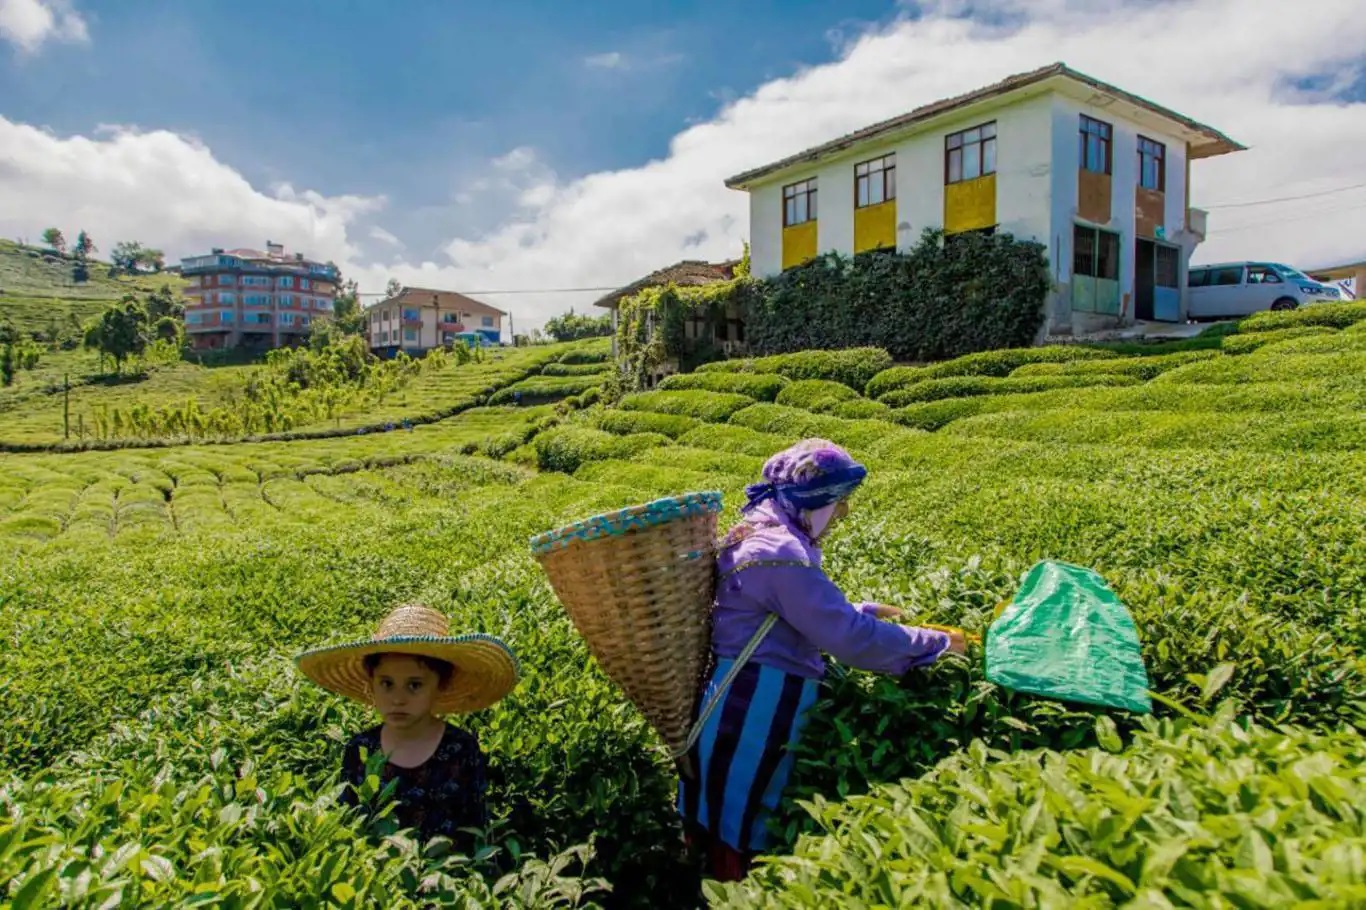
(572,327)
(393,288)
(346,312)
(123,330)
(85,247)
(132,257)
(163,303)
(17,352)
(54,238)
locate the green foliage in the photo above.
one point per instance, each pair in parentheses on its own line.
(710,406)
(131,256)
(967,386)
(652,325)
(793,424)
(567,448)
(932,415)
(817,394)
(1144,368)
(591,352)
(1245,344)
(731,438)
(627,422)
(860,409)
(55,239)
(1333,315)
(853,367)
(123,331)
(576,369)
(574,327)
(1155,822)
(984,363)
(942,298)
(760,386)
(542,389)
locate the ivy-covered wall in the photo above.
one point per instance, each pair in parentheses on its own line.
(944,297)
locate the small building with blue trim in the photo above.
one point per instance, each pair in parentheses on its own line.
(416,320)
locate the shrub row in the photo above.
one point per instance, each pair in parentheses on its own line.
(725,437)
(576,369)
(1144,368)
(853,367)
(710,406)
(816,394)
(566,448)
(984,363)
(545,389)
(792,424)
(1334,315)
(624,423)
(968,386)
(759,386)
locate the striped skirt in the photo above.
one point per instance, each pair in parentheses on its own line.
(742,756)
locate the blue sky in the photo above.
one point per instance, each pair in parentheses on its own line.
(358,98)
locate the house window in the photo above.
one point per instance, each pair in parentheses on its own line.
(799,203)
(1096,146)
(227,298)
(194,318)
(970,154)
(304,283)
(374,319)
(261,318)
(227,279)
(410,334)
(487,322)
(286,319)
(1152,165)
(304,321)
(875,181)
(226,316)
(411,316)
(286,300)
(286,282)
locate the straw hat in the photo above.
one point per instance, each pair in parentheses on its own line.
(485,668)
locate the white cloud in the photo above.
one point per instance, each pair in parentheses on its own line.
(29,24)
(383,236)
(611,227)
(609,60)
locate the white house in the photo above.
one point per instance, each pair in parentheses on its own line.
(1098,175)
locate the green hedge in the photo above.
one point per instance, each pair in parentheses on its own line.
(743,467)
(597,352)
(984,363)
(710,406)
(852,367)
(1218,813)
(1144,368)
(794,424)
(1334,315)
(1271,365)
(816,394)
(1246,344)
(942,298)
(624,423)
(759,386)
(1345,341)
(575,369)
(861,409)
(545,389)
(931,415)
(565,449)
(731,438)
(968,386)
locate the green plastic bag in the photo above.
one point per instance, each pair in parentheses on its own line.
(1067,636)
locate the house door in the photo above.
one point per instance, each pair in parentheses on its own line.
(1157,274)
(1145,262)
(1095,271)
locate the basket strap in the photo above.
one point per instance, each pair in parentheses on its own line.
(753,645)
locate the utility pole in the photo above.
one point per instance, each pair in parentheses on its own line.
(66,405)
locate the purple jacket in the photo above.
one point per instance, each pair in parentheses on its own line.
(813,615)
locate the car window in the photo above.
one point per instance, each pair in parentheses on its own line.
(1262,274)
(1227,276)
(1197,278)
(1290,274)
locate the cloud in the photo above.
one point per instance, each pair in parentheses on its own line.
(383,236)
(609,60)
(29,24)
(1277,89)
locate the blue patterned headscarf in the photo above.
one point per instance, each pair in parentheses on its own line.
(810,475)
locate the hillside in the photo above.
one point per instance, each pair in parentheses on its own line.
(154,599)
(36,288)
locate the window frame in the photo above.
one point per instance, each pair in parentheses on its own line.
(958,142)
(807,188)
(881,169)
(1151,148)
(1104,133)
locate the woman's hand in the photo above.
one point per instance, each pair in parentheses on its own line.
(882,611)
(958,644)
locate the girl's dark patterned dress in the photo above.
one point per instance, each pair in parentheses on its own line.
(437,798)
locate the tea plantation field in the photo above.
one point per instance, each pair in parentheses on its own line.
(160,749)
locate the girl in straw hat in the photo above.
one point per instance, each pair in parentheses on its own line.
(776,605)
(413,672)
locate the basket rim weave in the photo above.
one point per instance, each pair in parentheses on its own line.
(639,517)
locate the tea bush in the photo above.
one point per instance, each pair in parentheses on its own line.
(566,448)
(793,424)
(543,389)
(816,394)
(1144,368)
(853,367)
(967,386)
(576,369)
(626,422)
(1334,315)
(710,406)
(731,438)
(759,386)
(985,363)
(861,409)
(1243,344)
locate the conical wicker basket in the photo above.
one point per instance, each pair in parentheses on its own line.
(638,585)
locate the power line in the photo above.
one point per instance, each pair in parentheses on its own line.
(1240,205)
(524,291)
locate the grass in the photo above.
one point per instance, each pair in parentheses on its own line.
(153,599)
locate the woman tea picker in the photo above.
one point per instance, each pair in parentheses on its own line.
(769,565)
(413,672)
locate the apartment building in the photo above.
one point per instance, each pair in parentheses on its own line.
(1098,175)
(255,298)
(415,320)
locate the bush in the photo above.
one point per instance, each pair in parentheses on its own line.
(1036,829)
(816,394)
(710,406)
(731,438)
(932,415)
(1345,341)
(579,356)
(942,298)
(544,389)
(852,367)
(861,409)
(565,449)
(984,363)
(793,424)
(1144,368)
(627,422)
(1270,365)
(1245,344)
(967,386)
(575,369)
(759,386)
(708,461)
(1333,315)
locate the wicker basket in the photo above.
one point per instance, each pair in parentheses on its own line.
(638,585)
